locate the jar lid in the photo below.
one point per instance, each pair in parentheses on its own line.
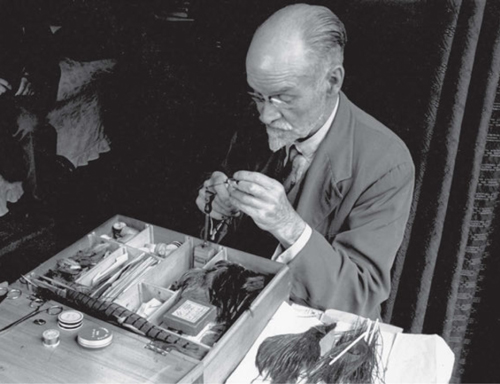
(94,337)
(70,317)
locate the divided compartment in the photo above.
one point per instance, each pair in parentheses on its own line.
(148,292)
(163,274)
(220,255)
(106,230)
(168,298)
(154,235)
(85,244)
(108,266)
(157,281)
(182,264)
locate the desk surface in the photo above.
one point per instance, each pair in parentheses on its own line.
(24,358)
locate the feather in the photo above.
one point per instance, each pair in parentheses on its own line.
(358,364)
(285,358)
(227,285)
(193,284)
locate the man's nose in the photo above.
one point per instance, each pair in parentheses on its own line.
(268,113)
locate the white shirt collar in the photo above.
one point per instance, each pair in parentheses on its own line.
(308,148)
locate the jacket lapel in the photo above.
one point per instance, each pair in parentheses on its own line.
(319,192)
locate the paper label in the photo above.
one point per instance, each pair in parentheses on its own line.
(190,311)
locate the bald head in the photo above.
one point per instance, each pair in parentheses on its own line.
(298,34)
(294,68)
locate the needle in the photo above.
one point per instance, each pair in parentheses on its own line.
(227,183)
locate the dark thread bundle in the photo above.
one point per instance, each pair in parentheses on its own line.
(284,358)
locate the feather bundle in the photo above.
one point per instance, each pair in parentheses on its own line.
(292,357)
(347,362)
(233,288)
(285,358)
(229,286)
(193,284)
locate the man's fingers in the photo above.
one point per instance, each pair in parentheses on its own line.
(200,200)
(215,182)
(258,190)
(242,200)
(223,203)
(220,205)
(216,212)
(218,177)
(221,209)
(221,191)
(254,209)
(255,177)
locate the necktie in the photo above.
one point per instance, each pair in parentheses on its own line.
(297,165)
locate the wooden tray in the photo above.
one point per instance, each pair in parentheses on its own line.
(221,359)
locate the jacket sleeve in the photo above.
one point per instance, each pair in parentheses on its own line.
(352,272)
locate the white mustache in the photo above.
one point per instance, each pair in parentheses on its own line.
(282,126)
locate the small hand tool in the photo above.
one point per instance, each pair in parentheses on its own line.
(52,310)
(9,293)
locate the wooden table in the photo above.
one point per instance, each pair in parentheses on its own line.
(24,358)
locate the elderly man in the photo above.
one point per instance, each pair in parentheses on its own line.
(337,208)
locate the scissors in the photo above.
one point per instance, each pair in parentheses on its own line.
(52,310)
(9,293)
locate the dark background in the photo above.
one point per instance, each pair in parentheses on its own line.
(179,91)
(179,88)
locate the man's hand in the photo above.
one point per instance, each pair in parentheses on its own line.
(265,201)
(221,206)
(25,88)
(4,86)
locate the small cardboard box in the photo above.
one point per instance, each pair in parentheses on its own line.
(189,316)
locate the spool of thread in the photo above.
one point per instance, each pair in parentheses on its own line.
(117,229)
(70,320)
(50,338)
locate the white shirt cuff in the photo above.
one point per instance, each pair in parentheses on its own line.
(289,254)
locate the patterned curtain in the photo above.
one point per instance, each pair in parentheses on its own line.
(476,319)
(438,271)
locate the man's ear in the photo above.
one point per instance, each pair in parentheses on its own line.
(335,79)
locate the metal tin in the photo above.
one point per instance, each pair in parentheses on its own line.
(50,337)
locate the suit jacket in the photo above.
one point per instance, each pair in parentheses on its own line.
(356,196)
